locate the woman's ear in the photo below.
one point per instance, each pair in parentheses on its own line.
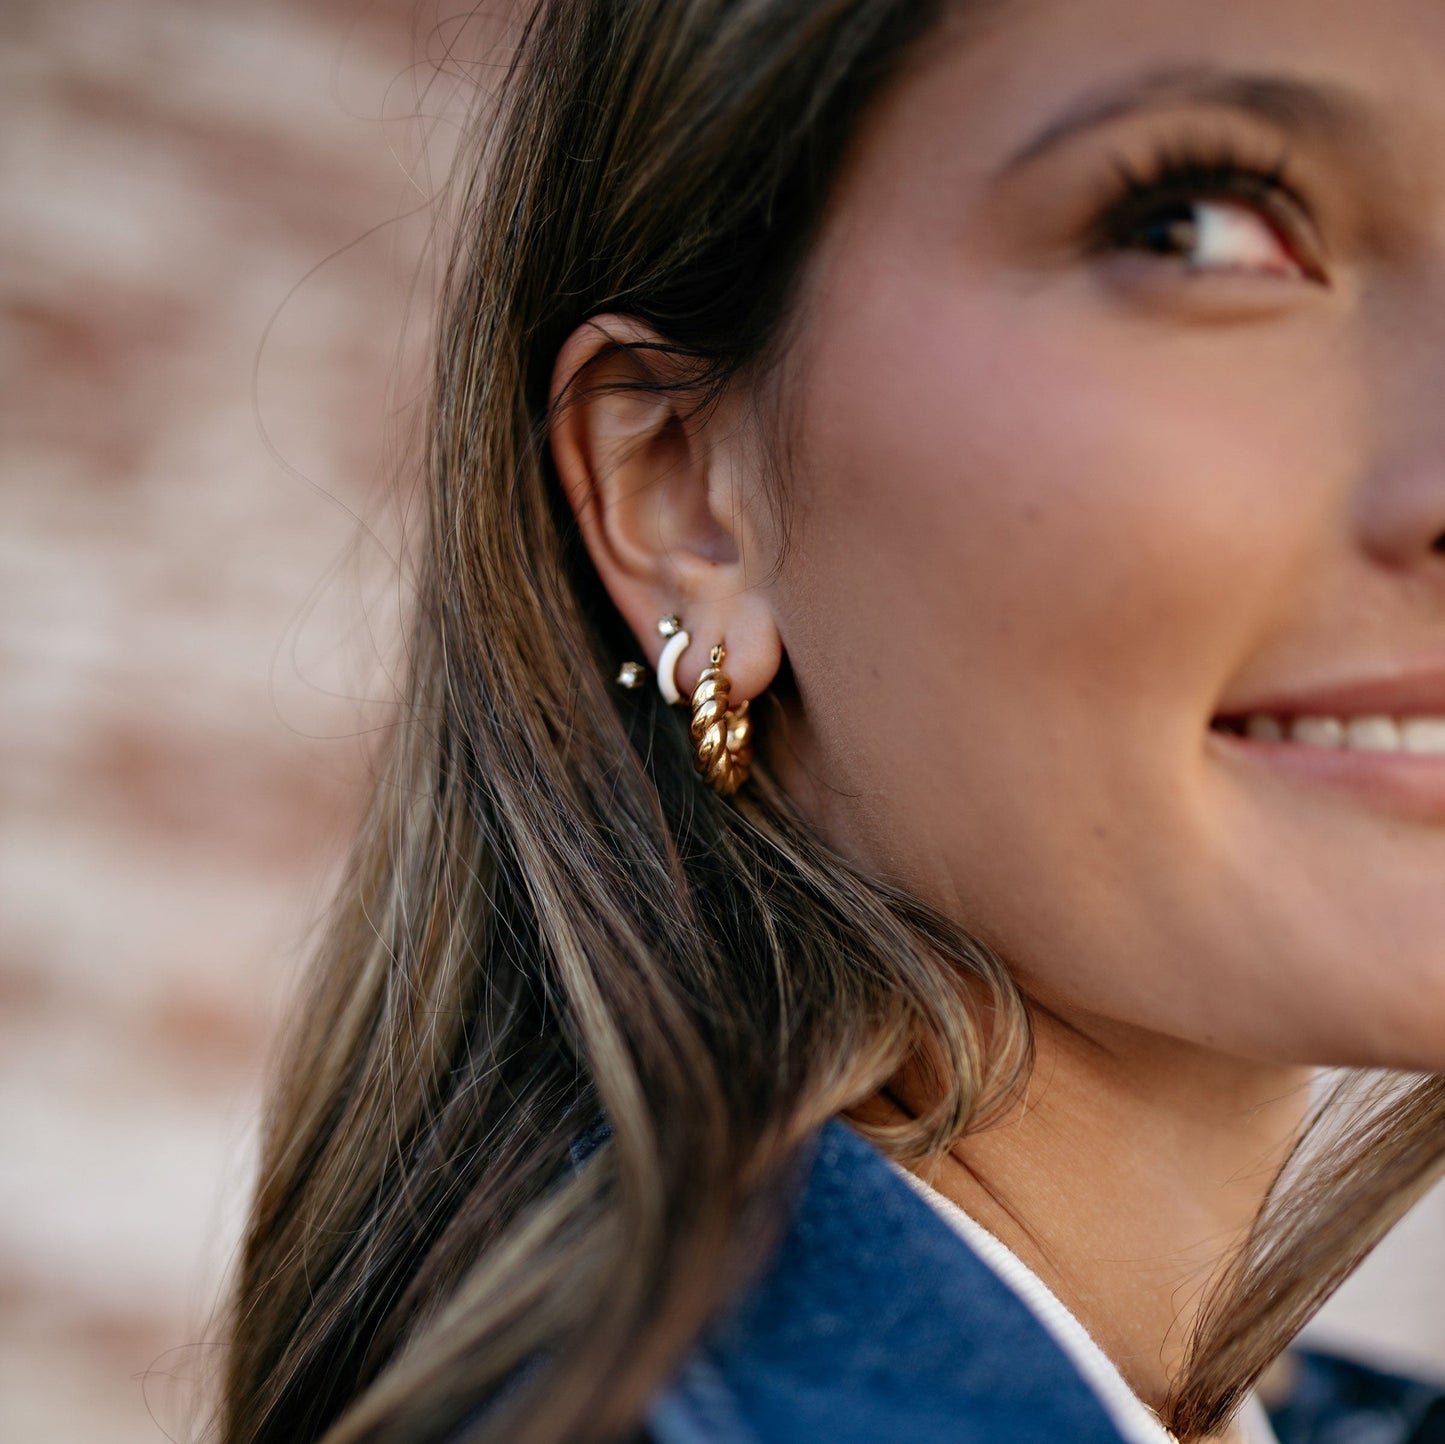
(661,499)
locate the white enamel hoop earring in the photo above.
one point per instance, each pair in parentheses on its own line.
(677,643)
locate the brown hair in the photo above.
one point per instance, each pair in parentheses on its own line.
(547,919)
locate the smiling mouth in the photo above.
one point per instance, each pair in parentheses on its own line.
(1411,736)
(1390,764)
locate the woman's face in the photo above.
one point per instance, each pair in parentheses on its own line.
(1076,476)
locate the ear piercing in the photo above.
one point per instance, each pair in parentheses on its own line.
(722,739)
(721,736)
(677,644)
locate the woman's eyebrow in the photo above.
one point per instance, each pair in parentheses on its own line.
(1322,108)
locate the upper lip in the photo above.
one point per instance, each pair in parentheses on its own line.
(1406,691)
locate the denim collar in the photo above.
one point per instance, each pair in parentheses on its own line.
(874,1320)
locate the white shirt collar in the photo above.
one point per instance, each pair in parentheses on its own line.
(1135,1421)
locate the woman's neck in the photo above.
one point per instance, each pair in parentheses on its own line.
(1126,1178)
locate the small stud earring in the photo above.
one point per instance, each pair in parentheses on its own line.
(631,675)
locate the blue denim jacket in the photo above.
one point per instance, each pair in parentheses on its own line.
(875,1321)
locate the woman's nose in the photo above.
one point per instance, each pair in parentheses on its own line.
(1401,501)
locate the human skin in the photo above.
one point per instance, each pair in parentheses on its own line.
(1054,511)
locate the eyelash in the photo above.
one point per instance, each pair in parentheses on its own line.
(1191,170)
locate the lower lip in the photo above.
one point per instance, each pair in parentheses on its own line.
(1405,784)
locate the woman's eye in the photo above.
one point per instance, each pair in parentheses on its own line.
(1212,211)
(1211,235)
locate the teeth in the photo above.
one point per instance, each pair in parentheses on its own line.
(1424,735)
(1421,736)
(1318,731)
(1264,727)
(1372,734)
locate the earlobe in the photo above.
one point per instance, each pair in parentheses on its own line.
(722,734)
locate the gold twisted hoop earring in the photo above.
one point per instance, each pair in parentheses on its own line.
(723,740)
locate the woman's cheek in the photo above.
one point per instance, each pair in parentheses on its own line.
(1049,494)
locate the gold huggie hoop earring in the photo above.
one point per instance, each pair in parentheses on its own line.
(723,740)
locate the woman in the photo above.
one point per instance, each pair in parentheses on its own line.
(1010,432)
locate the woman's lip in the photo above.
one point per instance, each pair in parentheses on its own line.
(1406,785)
(1413,690)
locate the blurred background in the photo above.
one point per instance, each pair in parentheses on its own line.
(213,309)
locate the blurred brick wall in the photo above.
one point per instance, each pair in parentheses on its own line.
(205,261)
(201,384)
